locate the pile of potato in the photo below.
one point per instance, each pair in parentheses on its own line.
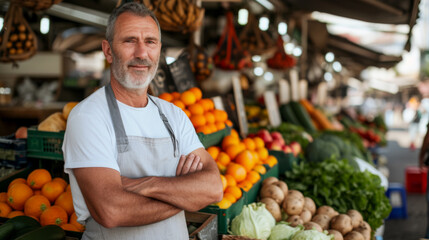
(293,207)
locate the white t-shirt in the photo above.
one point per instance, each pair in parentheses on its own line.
(90,139)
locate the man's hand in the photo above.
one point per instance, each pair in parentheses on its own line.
(189,164)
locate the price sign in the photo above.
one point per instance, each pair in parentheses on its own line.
(183,76)
(239,103)
(163,81)
(218,102)
(293,74)
(284,91)
(272,108)
(303,88)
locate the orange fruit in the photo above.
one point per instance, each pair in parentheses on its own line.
(196,109)
(222,168)
(197,93)
(65,201)
(212,127)
(207,104)
(5,209)
(37,192)
(68,188)
(271,161)
(35,205)
(188,98)
(236,171)
(246,185)
(176,95)
(224,182)
(223,158)
(220,115)
(224,203)
(229,140)
(179,104)
(17,194)
(262,153)
(51,190)
(220,125)
(15,213)
(234,133)
(245,159)
(166,96)
(198,120)
(3,197)
(250,144)
(210,118)
(54,215)
(213,151)
(69,227)
(253,176)
(229,123)
(235,191)
(38,177)
(260,169)
(259,143)
(73,220)
(61,180)
(204,129)
(230,180)
(234,150)
(17,180)
(230,197)
(187,112)
(255,156)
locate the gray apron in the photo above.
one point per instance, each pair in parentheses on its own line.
(142,157)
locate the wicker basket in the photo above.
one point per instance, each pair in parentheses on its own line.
(17,40)
(36,5)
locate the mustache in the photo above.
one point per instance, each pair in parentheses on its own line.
(138,61)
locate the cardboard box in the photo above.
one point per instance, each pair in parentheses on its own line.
(207,222)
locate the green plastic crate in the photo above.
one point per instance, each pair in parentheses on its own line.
(285,160)
(252,194)
(214,138)
(271,172)
(225,216)
(21,173)
(45,145)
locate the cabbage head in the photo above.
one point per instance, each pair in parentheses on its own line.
(254,221)
(311,235)
(283,231)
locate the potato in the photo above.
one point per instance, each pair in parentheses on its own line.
(356,217)
(294,220)
(353,235)
(272,191)
(273,207)
(337,235)
(310,205)
(53,123)
(342,223)
(295,193)
(312,225)
(305,215)
(283,186)
(322,220)
(269,181)
(293,205)
(364,229)
(327,210)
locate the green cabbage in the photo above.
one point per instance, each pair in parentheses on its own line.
(282,231)
(311,235)
(254,221)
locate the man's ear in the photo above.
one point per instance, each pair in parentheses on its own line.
(107,50)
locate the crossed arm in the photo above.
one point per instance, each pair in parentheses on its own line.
(115,201)
(424,148)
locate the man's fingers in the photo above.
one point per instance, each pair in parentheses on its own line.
(194,165)
(200,166)
(180,165)
(188,163)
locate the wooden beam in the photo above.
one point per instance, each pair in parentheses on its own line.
(385,7)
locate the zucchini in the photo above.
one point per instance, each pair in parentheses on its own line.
(48,232)
(287,114)
(303,117)
(6,230)
(17,226)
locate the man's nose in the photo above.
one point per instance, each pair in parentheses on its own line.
(141,51)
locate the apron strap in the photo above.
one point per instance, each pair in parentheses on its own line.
(121,136)
(168,126)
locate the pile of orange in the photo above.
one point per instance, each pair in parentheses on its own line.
(201,111)
(46,199)
(241,164)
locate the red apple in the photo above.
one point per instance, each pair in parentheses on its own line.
(278,136)
(274,145)
(265,135)
(296,148)
(287,149)
(21,132)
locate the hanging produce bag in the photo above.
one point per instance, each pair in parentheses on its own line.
(254,40)
(201,63)
(17,40)
(281,60)
(179,15)
(229,54)
(36,5)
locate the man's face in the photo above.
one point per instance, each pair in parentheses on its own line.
(135,51)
